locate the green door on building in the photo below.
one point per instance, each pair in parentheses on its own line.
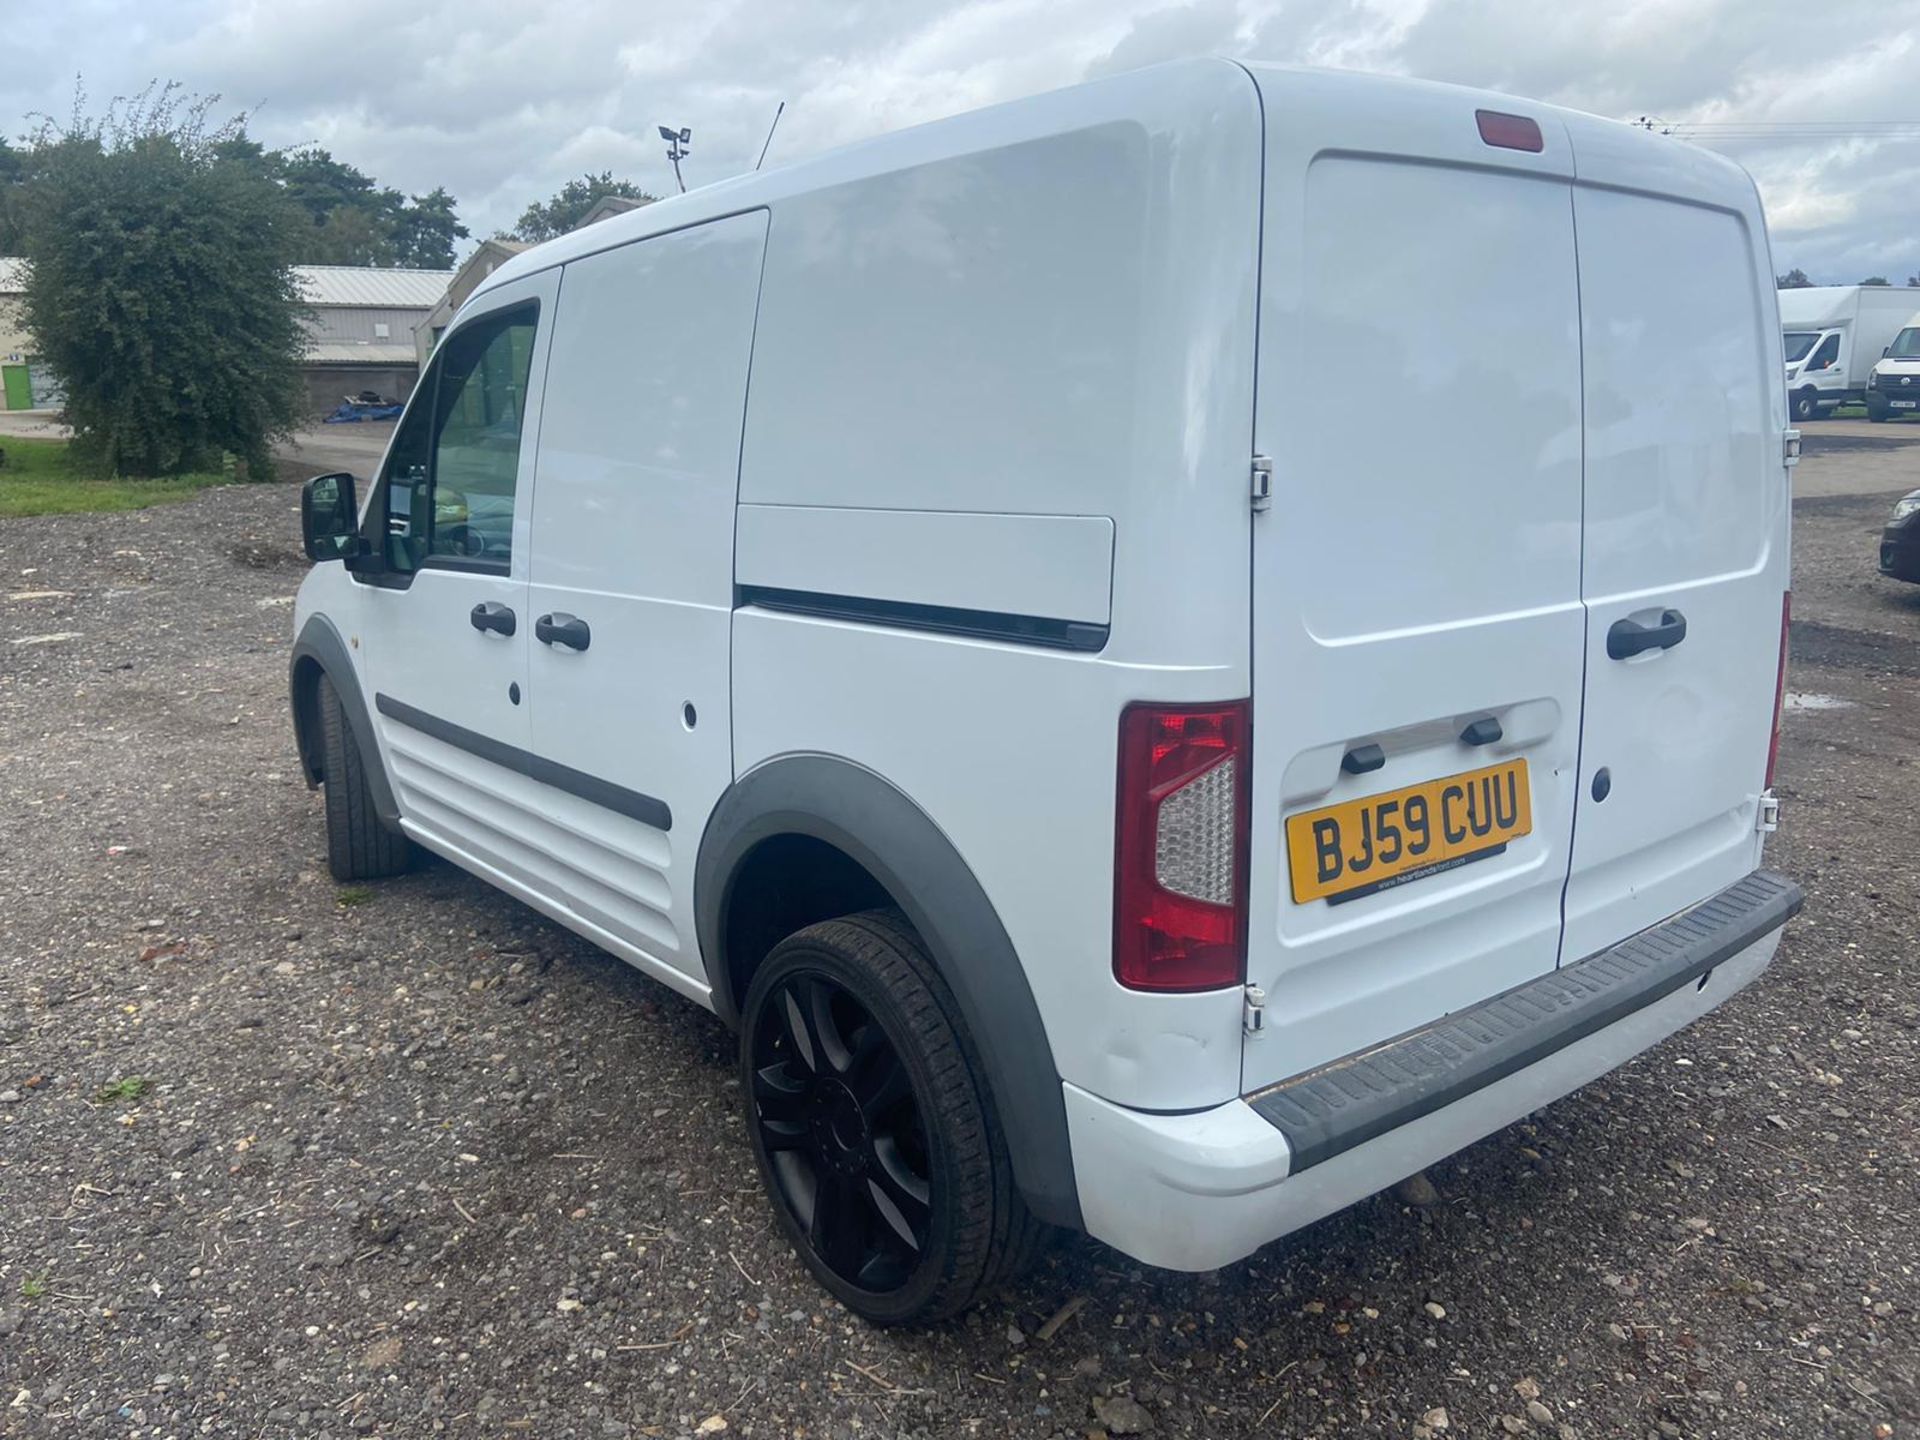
(18,387)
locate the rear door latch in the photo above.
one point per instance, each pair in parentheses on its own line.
(1262,482)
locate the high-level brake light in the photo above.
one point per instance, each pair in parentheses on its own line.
(1510,132)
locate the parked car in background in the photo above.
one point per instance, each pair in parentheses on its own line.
(901,705)
(1900,541)
(1894,389)
(1833,334)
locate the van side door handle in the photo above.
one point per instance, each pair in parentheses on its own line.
(1627,638)
(491,615)
(568,630)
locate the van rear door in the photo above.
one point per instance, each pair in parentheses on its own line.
(1684,560)
(1418,629)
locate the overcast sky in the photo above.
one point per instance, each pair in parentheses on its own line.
(502,100)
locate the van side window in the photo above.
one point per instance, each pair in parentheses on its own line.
(1828,352)
(450,477)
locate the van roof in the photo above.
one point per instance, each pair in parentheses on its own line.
(1658,163)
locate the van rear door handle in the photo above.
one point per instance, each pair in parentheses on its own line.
(491,615)
(1627,638)
(558,629)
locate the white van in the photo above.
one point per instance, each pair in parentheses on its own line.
(1832,337)
(1153,648)
(1893,391)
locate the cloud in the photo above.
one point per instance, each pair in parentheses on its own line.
(501,101)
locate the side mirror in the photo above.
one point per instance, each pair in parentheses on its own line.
(330,519)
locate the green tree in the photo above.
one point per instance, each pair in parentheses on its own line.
(13,177)
(564,211)
(350,235)
(354,219)
(159,289)
(320,185)
(1794,279)
(1874,280)
(426,231)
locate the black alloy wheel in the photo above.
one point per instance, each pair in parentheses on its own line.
(874,1132)
(837,1118)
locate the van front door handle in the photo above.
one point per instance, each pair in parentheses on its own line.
(491,615)
(1628,638)
(568,630)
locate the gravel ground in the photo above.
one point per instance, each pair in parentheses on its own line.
(279,1158)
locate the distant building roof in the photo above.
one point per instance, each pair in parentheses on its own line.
(608,206)
(347,352)
(363,285)
(357,285)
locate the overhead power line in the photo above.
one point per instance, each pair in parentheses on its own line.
(1793,130)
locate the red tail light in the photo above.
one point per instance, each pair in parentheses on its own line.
(1180,862)
(1779,686)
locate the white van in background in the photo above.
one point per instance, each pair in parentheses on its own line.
(1833,335)
(1894,389)
(928,605)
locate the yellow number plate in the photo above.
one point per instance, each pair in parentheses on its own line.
(1345,851)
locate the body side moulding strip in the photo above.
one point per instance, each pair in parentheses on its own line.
(632,803)
(1052,634)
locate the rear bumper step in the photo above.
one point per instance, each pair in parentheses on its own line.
(1355,1099)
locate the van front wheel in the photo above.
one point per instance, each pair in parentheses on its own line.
(359,847)
(872,1129)
(1806,405)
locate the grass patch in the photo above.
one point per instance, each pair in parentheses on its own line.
(33,1287)
(354,894)
(39,478)
(131,1088)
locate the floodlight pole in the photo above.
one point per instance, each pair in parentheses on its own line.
(679,145)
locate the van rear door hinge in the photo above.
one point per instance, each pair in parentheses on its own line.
(1253,1017)
(1767,819)
(1262,482)
(1790,448)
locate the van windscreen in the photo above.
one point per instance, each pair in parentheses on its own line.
(1799,342)
(1906,345)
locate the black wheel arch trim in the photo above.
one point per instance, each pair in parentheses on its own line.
(858,812)
(319,649)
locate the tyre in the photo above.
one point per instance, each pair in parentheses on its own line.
(1878,414)
(359,847)
(1806,404)
(874,1133)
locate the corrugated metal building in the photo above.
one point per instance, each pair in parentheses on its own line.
(24,385)
(490,256)
(362,329)
(361,333)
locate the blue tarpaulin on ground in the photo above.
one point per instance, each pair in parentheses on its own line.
(348,414)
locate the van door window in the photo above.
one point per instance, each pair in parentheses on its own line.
(1828,352)
(450,479)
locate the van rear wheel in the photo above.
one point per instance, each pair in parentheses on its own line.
(874,1134)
